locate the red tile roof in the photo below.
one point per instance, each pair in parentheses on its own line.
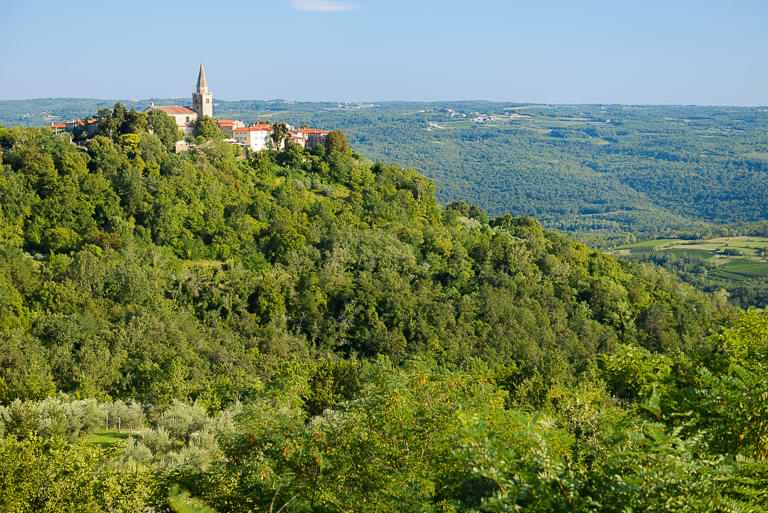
(174,109)
(58,125)
(226,122)
(314,131)
(263,127)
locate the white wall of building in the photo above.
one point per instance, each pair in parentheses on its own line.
(256,140)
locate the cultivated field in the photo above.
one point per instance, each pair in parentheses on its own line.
(736,258)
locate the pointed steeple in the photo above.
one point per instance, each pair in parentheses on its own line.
(202,99)
(202,82)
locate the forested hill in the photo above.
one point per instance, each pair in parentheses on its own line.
(608,173)
(127,242)
(304,332)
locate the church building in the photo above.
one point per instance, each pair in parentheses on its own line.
(202,105)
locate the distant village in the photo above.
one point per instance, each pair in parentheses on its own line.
(256,137)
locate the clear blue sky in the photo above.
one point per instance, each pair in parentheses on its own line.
(550,51)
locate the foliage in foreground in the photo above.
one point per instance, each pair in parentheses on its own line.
(419,437)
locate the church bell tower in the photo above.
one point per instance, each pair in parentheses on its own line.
(202,99)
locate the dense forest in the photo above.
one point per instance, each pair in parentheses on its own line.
(606,173)
(221,331)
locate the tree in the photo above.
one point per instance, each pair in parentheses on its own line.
(107,125)
(50,475)
(163,126)
(135,123)
(117,120)
(293,156)
(207,129)
(279,135)
(336,141)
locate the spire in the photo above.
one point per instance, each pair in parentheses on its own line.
(202,82)
(202,99)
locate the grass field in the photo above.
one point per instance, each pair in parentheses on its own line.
(742,270)
(106,439)
(736,258)
(648,245)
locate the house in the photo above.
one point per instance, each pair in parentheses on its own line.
(314,137)
(309,138)
(256,137)
(89,126)
(298,137)
(228,126)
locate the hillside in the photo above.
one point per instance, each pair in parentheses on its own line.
(313,332)
(607,173)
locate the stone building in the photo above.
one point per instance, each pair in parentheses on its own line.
(202,105)
(184,116)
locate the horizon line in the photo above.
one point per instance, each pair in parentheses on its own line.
(288,100)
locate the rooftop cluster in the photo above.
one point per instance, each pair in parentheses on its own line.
(256,137)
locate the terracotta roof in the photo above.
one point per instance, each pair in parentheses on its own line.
(314,131)
(174,109)
(226,122)
(263,127)
(58,125)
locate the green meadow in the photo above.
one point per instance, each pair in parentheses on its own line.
(735,258)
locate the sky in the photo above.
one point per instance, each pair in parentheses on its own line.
(703,52)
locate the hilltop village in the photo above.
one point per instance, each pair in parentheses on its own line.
(256,137)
